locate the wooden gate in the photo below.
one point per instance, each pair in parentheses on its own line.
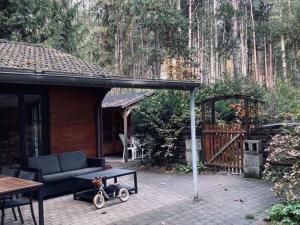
(223,146)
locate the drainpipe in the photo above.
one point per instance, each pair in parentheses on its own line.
(194,152)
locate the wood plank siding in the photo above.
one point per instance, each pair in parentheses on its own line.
(72,119)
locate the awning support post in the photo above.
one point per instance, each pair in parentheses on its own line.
(194,152)
(125,118)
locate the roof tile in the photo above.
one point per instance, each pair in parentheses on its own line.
(16,56)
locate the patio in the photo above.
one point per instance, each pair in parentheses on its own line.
(167,199)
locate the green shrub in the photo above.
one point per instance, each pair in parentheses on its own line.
(160,122)
(283,165)
(229,86)
(288,214)
(188,168)
(282,103)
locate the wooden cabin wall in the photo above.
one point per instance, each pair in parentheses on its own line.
(72,119)
(112,119)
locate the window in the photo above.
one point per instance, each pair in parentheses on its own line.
(22,126)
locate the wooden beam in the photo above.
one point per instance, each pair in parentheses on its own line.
(246,122)
(213,113)
(125,116)
(99,125)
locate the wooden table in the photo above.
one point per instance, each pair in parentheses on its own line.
(13,185)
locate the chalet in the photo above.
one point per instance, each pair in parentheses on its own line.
(51,102)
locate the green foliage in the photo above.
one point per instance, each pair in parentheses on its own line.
(188,168)
(250,217)
(283,165)
(50,22)
(165,21)
(282,103)
(159,121)
(288,214)
(230,86)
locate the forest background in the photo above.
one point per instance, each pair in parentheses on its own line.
(204,40)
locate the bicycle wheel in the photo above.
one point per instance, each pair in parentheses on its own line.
(98,201)
(123,194)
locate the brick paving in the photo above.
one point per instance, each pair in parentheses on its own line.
(167,199)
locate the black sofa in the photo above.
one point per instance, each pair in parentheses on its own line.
(56,171)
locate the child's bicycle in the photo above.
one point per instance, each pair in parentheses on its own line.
(106,193)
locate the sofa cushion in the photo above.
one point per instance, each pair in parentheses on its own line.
(48,164)
(72,161)
(58,176)
(9,172)
(87,170)
(69,174)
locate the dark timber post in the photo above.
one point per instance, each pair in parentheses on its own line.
(246,122)
(99,128)
(125,116)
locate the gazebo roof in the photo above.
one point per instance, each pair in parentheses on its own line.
(227,97)
(124,100)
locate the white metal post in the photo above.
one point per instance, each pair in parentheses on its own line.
(194,152)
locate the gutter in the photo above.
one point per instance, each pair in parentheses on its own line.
(93,81)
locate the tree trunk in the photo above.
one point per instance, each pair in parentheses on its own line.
(265,62)
(243,50)
(212,58)
(234,36)
(271,65)
(190,25)
(216,41)
(254,43)
(283,58)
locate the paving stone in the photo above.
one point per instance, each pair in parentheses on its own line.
(166,199)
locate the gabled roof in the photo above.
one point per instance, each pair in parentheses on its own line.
(25,63)
(25,57)
(124,100)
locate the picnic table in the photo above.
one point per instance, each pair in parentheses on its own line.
(13,185)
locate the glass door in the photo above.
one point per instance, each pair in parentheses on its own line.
(10,141)
(33,125)
(23,128)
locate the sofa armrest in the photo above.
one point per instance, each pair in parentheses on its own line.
(39,173)
(94,162)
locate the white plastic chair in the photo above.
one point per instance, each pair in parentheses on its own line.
(138,151)
(133,145)
(129,147)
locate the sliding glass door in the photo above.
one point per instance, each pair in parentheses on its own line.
(33,125)
(10,137)
(22,127)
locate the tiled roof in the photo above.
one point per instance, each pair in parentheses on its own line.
(123,100)
(32,58)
